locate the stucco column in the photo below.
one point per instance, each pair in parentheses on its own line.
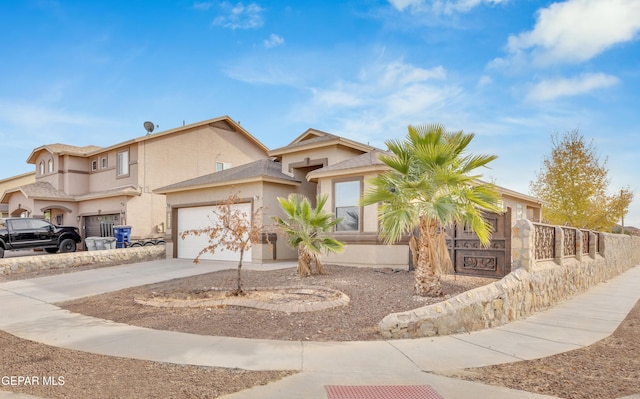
(593,244)
(559,245)
(579,245)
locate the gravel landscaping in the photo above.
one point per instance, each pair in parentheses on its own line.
(607,369)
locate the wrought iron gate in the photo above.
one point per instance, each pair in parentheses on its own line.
(469,257)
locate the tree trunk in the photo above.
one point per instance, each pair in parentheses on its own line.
(427,283)
(304,263)
(239,291)
(318,264)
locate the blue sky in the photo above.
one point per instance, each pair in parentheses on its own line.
(512,71)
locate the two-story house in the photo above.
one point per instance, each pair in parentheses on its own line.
(95,187)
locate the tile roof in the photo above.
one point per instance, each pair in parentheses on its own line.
(43,190)
(71,149)
(265,168)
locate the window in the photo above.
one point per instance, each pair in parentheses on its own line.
(103,163)
(94,165)
(222,166)
(42,167)
(50,166)
(346,196)
(123,163)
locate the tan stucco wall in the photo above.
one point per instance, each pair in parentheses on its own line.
(16,181)
(144,213)
(371,255)
(19,201)
(75,175)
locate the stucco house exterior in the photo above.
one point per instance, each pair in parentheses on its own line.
(315,163)
(12,182)
(96,187)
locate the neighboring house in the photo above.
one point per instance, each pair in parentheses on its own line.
(9,184)
(314,163)
(95,188)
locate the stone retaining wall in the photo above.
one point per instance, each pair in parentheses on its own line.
(109,257)
(532,286)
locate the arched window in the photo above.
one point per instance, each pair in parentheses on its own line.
(42,167)
(50,166)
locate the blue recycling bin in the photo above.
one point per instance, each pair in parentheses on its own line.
(123,234)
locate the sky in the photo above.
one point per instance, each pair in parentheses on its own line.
(514,72)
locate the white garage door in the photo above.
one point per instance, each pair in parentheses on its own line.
(197,218)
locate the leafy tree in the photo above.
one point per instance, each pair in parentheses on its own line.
(306,228)
(230,230)
(431,183)
(573,184)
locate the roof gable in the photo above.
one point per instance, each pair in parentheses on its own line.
(223,122)
(312,139)
(62,149)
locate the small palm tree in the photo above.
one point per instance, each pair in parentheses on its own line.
(430,185)
(306,228)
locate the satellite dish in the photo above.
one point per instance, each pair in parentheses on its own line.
(149,126)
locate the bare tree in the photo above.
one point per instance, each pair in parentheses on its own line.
(230,229)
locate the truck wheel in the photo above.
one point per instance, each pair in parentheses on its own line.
(67,245)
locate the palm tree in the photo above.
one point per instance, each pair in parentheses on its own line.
(428,186)
(306,228)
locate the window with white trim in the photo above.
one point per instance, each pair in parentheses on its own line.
(94,165)
(123,163)
(222,166)
(103,163)
(42,167)
(50,166)
(346,197)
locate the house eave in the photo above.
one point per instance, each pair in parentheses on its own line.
(229,183)
(318,174)
(140,139)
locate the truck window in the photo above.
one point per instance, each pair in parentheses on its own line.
(20,224)
(39,224)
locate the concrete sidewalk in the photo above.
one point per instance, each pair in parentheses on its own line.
(29,312)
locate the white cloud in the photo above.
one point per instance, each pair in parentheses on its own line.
(441,6)
(575,31)
(401,5)
(380,84)
(484,81)
(383,98)
(34,116)
(336,98)
(240,16)
(554,88)
(273,41)
(202,5)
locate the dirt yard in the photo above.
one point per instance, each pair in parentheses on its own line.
(607,369)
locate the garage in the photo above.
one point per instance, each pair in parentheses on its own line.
(198,218)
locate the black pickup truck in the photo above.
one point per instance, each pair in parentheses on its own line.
(28,233)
